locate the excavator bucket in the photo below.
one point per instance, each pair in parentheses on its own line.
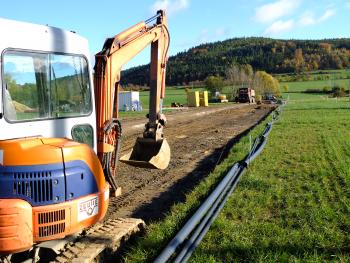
(148,154)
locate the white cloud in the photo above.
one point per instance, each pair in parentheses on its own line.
(308,18)
(279,27)
(207,35)
(170,6)
(329,13)
(15,64)
(222,31)
(272,11)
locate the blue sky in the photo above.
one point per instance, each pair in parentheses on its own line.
(191,22)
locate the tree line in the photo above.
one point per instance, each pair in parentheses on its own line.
(263,54)
(243,76)
(62,91)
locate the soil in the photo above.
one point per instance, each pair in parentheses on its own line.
(199,139)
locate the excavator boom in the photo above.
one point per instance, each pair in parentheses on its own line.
(151,150)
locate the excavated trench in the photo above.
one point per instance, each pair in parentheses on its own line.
(199,140)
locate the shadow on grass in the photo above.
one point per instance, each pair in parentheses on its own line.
(321,108)
(273,252)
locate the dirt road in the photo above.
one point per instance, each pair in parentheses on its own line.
(196,138)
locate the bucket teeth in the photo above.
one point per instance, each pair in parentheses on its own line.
(148,153)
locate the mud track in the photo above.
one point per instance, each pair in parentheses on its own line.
(198,140)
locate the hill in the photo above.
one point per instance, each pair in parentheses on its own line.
(271,55)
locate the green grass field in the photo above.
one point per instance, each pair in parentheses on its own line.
(292,205)
(172,94)
(315,75)
(299,86)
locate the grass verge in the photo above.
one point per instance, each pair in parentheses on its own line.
(292,205)
(159,233)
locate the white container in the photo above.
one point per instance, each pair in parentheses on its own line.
(129,101)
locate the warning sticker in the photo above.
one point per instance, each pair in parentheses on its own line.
(1,157)
(87,208)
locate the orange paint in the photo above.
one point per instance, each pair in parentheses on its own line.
(22,225)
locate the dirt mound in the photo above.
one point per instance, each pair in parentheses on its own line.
(21,107)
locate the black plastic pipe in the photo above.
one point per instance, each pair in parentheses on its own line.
(214,216)
(205,220)
(193,221)
(202,219)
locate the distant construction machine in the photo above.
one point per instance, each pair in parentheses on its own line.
(245,95)
(59,140)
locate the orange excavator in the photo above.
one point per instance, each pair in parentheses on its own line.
(59,140)
(151,150)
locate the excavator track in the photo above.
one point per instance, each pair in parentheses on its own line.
(100,241)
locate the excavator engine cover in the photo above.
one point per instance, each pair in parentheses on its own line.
(148,153)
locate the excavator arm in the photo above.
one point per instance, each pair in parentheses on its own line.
(151,150)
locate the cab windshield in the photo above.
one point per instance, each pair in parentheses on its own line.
(45,86)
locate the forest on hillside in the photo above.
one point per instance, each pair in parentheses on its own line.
(271,55)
